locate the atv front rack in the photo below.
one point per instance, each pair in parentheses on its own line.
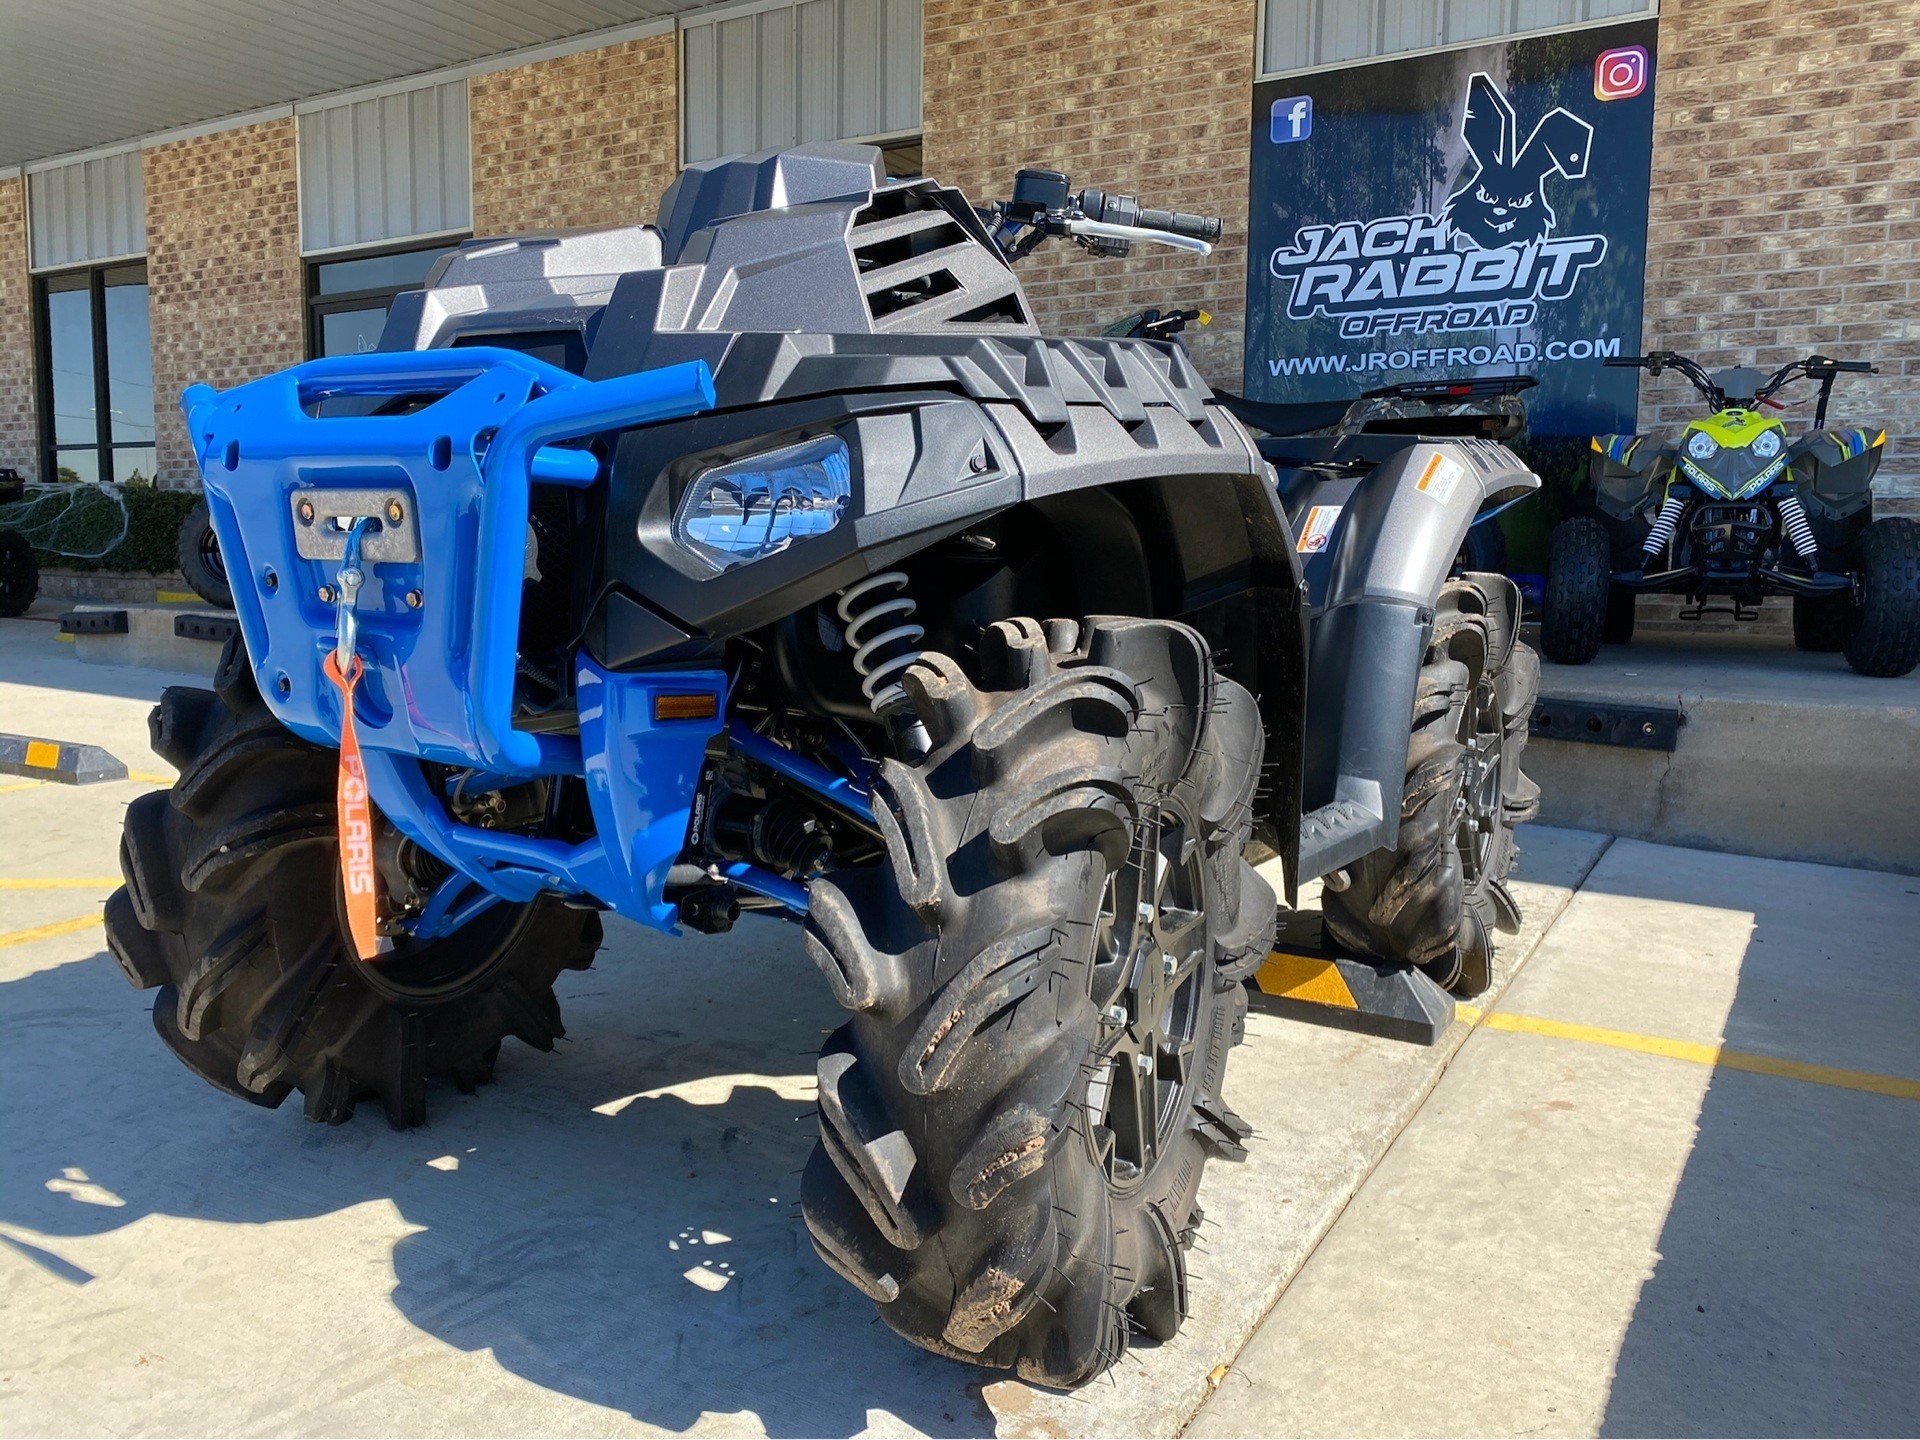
(446,476)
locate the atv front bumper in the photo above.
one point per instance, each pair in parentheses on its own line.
(448,486)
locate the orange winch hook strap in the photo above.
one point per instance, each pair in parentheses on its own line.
(359,881)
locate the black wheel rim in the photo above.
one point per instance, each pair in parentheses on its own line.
(446,968)
(210,553)
(1150,949)
(1479,804)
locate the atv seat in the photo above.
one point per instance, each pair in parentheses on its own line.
(1298,418)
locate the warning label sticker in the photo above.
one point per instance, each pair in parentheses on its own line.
(1318,531)
(1440,479)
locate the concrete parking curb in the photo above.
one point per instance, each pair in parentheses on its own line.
(61,761)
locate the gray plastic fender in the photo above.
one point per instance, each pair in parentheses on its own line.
(1373,588)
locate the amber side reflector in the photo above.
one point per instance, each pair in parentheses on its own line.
(685,707)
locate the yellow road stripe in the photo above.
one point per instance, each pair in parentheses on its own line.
(1717,1056)
(147,777)
(47,932)
(22,785)
(87,882)
(176,597)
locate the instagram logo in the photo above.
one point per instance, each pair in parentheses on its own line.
(1620,74)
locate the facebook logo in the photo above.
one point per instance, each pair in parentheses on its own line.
(1292,119)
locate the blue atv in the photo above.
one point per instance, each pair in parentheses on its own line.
(771,561)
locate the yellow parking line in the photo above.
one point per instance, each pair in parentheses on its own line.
(1718,1056)
(85,882)
(146,777)
(21,785)
(47,932)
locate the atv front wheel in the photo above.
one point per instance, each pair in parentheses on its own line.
(19,574)
(232,909)
(1573,619)
(1045,981)
(1435,899)
(197,551)
(1888,640)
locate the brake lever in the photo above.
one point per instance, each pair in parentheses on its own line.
(1103,230)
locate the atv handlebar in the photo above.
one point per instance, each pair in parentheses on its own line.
(1814,367)
(1042,207)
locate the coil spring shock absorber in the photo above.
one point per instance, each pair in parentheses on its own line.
(1793,519)
(885,642)
(1661,535)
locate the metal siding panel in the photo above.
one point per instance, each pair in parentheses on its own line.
(1345,32)
(386,168)
(774,64)
(738,116)
(1289,35)
(900,77)
(816,58)
(859,67)
(89,210)
(1545,14)
(1409,25)
(700,87)
(456,158)
(1476,19)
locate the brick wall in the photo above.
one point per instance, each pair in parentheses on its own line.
(19,427)
(223,269)
(583,140)
(1148,97)
(1785,211)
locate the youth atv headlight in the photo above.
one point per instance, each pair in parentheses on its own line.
(745,511)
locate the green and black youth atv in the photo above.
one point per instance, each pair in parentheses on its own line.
(1736,511)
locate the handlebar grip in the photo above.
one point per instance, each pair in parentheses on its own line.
(1177,222)
(1626,362)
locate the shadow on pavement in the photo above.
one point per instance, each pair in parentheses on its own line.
(1785,1299)
(651,1259)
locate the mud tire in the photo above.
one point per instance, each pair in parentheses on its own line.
(231,912)
(970,1176)
(1436,898)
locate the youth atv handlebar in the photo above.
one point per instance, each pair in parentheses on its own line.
(1814,367)
(1042,207)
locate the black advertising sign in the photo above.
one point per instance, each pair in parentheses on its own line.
(1480,211)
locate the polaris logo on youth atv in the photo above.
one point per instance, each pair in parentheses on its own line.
(1484,263)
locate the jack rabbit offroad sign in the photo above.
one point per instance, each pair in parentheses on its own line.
(1476,211)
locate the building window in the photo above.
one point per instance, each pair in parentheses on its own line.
(348,296)
(1304,34)
(96,373)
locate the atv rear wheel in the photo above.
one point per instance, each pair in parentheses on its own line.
(1435,899)
(231,908)
(1621,608)
(1888,560)
(1573,620)
(1823,624)
(1045,981)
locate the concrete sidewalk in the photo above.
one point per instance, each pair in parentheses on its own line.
(1576,1236)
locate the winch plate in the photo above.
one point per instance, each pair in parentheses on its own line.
(322,518)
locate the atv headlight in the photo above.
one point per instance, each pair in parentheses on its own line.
(1702,446)
(747,510)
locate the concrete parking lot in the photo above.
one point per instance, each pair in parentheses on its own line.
(1665,1179)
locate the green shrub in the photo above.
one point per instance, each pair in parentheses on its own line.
(154,518)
